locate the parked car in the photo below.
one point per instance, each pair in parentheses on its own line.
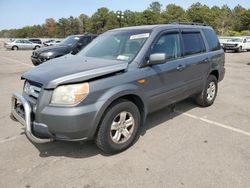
(72,44)
(237,44)
(21,44)
(51,42)
(106,91)
(37,41)
(224,39)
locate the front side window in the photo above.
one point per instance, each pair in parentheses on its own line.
(193,43)
(168,44)
(116,45)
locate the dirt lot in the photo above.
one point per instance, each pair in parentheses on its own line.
(192,147)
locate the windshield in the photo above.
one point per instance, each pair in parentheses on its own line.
(235,40)
(69,41)
(116,45)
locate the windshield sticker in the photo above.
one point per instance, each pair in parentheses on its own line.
(139,36)
(123,57)
(76,38)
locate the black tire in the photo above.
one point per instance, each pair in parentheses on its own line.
(239,49)
(15,48)
(202,98)
(104,135)
(36,47)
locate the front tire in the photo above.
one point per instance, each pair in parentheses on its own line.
(119,127)
(14,48)
(239,49)
(207,96)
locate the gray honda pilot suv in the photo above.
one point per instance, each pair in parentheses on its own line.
(106,91)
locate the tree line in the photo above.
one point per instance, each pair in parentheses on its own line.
(224,20)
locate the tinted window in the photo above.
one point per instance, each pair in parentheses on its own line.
(168,44)
(212,40)
(193,43)
(85,40)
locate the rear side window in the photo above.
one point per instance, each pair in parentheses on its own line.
(193,43)
(212,40)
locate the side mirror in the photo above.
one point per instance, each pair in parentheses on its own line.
(76,48)
(157,58)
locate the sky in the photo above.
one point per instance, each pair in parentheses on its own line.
(20,13)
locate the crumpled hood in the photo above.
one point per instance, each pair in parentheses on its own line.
(72,68)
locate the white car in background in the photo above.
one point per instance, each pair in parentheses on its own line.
(51,42)
(237,44)
(19,44)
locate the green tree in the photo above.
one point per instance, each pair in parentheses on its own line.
(155,7)
(62,27)
(199,13)
(83,23)
(99,20)
(174,13)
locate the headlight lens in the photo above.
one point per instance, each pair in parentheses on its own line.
(46,54)
(70,94)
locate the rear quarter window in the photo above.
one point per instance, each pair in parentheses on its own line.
(193,43)
(212,40)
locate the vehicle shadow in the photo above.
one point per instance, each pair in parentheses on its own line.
(89,149)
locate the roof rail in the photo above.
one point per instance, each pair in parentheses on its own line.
(190,23)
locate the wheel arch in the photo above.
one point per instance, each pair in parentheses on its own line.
(215,73)
(130,95)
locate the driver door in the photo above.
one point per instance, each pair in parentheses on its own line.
(164,81)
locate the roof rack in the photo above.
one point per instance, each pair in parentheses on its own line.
(190,23)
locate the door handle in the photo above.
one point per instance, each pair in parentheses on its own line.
(181,67)
(206,60)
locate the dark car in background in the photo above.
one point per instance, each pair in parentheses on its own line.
(72,44)
(37,41)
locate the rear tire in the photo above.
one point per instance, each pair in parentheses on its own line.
(119,127)
(14,48)
(207,96)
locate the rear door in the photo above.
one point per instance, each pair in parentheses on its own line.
(28,45)
(195,65)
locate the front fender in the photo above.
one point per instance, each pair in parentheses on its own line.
(113,94)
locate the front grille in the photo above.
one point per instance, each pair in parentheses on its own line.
(230,45)
(32,90)
(34,54)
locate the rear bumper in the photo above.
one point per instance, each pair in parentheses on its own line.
(17,102)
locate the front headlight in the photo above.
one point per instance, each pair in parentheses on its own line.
(70,94)
(46,54)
